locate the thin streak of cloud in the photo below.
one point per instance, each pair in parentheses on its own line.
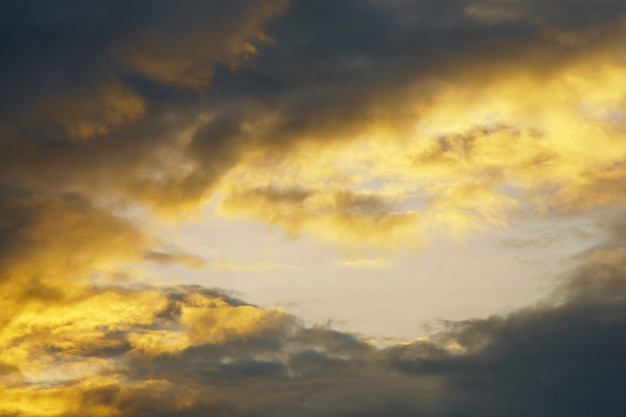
(246,266)
(190,260)
(367,263)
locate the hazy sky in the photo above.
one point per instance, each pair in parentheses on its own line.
(312,208)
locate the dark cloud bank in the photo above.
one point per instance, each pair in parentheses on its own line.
(557,360)
(94,94)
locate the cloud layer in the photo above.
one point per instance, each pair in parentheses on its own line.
(367,123)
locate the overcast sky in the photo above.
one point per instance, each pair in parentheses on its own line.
(312,208)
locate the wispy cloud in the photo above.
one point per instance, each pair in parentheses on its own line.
(191,260)
(367,263)
(246,266)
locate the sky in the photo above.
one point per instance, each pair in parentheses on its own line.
(300,208)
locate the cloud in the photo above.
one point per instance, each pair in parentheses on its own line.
(367,263)
(447,116)
(190,260)
(98,104)
(457,135)
(50,246)
(81,115)
(185,50)
(197,262)
(191,351)
(70,347)
(257,266)
(538,353)
(366,124)
(346,217)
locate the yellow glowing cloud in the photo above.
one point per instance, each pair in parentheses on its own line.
(63,336)
(45,402)
(215,321)
(58,244)
(473,152)
(55,354)
(346,217)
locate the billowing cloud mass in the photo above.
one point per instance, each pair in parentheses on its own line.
(415,118)
(373,125)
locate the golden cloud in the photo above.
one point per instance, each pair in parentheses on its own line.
(56,243)
(470,156)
